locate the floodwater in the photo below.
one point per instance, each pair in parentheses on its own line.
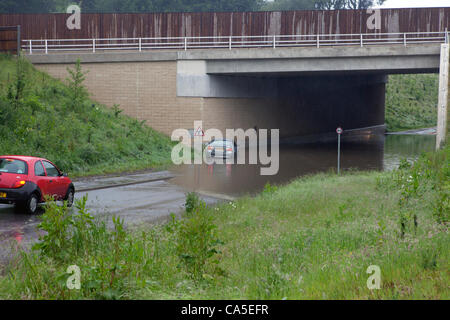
(366,152)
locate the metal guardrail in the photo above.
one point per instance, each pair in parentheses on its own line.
(234,42)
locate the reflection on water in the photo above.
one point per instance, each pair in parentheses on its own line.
(369,152)
(406,146)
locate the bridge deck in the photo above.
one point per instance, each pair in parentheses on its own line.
(381,59)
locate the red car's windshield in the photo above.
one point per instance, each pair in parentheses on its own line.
(13,166)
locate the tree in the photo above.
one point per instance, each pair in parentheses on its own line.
(331,4)
(320,4)
(113,6)
(26,6)
(347,4)
(290,5)
(363,4)
(75,81)
(168,5)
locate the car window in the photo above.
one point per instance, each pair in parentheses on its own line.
(39,169)
(51,169)
(220,143)
(13,166)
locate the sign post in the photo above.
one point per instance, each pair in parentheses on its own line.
(339,132)
(198,134)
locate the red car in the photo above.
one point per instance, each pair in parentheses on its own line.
(24,181)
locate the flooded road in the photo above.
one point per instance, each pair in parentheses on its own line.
(369,152)
(154,200)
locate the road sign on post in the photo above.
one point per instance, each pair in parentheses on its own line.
(199,132)
(339,132)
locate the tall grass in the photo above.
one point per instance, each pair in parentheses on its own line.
(115,263)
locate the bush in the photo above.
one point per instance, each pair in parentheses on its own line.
(79,93)
(197,241)
(192,202)
(428,178)
(102,254)
(269,189)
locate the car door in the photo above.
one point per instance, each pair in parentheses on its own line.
(41,179)
(54,186)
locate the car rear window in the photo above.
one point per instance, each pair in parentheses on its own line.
(13,166)
(220,143)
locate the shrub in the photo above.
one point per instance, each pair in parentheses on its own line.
(197,240)
(269,189)
(101,253)
(192,202)
(75,81)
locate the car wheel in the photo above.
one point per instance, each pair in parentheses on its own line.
(69,197)
(32,204)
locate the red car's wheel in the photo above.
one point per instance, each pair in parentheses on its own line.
(31,205)
(70,197)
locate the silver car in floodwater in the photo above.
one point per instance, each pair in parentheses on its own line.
(221,149)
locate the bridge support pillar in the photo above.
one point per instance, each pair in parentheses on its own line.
(442,125)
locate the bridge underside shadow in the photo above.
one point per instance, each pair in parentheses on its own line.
(296,105)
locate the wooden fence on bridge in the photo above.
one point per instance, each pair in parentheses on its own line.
(10,39)
(53,26)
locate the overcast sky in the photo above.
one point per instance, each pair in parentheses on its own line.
(415,3)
